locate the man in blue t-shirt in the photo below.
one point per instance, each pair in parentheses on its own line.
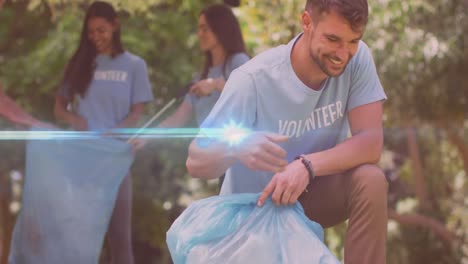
(314,109)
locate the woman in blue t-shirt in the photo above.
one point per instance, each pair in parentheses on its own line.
(106,88)
(221,40)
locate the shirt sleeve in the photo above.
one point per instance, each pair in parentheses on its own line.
(141,87)
(365,84)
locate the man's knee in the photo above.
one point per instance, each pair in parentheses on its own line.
(370,182)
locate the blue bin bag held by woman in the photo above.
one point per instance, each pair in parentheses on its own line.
(67,199)
(231,229)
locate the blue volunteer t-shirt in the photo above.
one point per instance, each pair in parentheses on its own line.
(265,94)
(118,83)
(203,105)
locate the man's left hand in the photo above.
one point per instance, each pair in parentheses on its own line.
(285,187)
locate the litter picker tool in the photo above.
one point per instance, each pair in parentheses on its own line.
(156,116)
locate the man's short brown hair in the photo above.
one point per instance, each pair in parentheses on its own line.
(356,12)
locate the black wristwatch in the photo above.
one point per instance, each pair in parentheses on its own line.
(308,166)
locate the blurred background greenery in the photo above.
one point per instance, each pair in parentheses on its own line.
(421,52)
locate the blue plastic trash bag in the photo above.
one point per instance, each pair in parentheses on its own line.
(231,229)
(67,200)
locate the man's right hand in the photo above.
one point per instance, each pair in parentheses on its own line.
(260,151)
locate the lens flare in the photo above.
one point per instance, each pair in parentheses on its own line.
(234,133)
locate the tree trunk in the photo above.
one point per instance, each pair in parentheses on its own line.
(423,221)
(416,165)
(455,138)
(19,8)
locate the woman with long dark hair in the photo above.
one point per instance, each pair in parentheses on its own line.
(105,87)
(221,40)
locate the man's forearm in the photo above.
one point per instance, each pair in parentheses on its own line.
(363,148)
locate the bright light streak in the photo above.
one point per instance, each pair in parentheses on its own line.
(231,133)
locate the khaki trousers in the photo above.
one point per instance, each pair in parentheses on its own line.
(359,195)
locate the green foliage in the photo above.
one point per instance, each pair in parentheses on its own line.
(420,52)
(269,23)
(420,49)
